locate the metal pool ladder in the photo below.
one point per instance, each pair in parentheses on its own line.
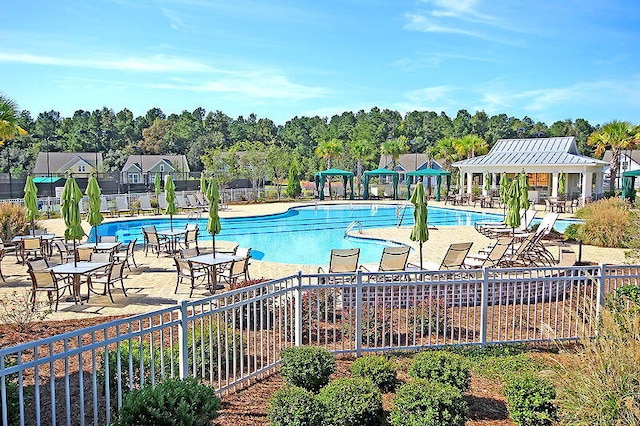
(351,226)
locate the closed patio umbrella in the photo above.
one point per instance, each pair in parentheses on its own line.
(562,184)
(504,191)
(523,199)
(157,187)
(70,208)
(94,217)
(487,182)
(512,217)
(420,231)
(170,195)
(213,224)
(31,202)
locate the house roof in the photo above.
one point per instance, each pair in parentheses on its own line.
(149,162)
(532,152)
(407,162)
(59,162)
(634,154)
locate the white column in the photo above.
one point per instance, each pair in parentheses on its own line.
(554,184)
(587,177)
(494,181)
(599,183)
(469,182)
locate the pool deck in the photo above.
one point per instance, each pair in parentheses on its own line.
(151,286)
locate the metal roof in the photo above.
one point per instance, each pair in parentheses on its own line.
(538,151)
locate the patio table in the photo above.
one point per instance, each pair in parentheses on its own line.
(76,270)
(101,247)
(213,263)
(173,236)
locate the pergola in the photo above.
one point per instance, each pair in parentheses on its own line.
(380,172)
(321,178)
(628,185)
(429,172)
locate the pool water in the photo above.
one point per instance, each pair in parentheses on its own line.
(306,235)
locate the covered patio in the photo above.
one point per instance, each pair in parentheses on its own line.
(321,179)
(429,173)
(380,172)
(544,160)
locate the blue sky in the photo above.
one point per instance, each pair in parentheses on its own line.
(548,60)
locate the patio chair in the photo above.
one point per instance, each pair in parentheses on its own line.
(236,269)
(128,255)
(31,246)
(84,254)
(191,238)
(155,243)
(485,228)
(187,271)
(343,260)
(109,239)
(104,206)
(65,253)
(122,205)
(113,274)
(145,204)
(47,281)
(526,219)
(162,201)
(393,259)
(455,256)
(195,203)
(493,258)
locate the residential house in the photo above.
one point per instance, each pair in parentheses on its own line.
(52,166)
(141,169)
(629,160)
(410,163)
(543,159)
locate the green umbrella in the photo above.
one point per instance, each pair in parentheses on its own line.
(562,184)
(504,189)
(31,202)
(523,199)
(512,217)
(170,195)
(157,187)
(213,224)
(94,217)
(420,231)
(70,208)
(487,182)
(203,183)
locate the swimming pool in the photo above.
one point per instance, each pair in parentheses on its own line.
(306,235)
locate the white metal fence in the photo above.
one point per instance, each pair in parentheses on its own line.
(229,340)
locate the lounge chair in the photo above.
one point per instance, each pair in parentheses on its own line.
(493,258)
(485,228)
(343,260)
(162,201)
(393,259)
(455,256)
(122,205)
(104,206)
(195,203)
(526,219)
(145,204)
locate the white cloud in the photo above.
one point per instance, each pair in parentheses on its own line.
(156,63)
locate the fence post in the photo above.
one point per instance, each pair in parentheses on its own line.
(601,289)
(183,340)
(297,294)
(484,305)
(358,313)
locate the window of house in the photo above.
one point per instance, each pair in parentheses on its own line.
(161,167)
(82,169)
(133,178)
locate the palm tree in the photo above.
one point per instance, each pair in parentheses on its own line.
(328,149)
(9,127)
(615,136)
(395,148)
(470,145)
(446,151)
(361,150)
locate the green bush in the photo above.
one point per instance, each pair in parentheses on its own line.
(172,402)
(134,352)
(294,406)
(443,367)
(530,400)
(426,403)
(351,402)
(13,221)
(572,232)
(377,368)
(608,223)
(307,366)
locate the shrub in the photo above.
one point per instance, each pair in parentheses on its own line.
(17,311)
(136,362)
(13,393)
(294,406)
(427,317)
(378,325)
(172,402)
(378,369)
(426,403)
(600,385)
(608,223)
(13,221)
(572,231)
(443,367)
(351,402)
(530,400)
(307,366)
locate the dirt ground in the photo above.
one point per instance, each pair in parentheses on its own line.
(249,405)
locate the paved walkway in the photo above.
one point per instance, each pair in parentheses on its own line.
(151,285)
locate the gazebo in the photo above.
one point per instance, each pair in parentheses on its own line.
(430,172)
(321,178)
(380,172)
(628,185)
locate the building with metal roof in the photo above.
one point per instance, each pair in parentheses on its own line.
(543,159)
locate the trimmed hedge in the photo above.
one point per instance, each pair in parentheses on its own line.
(530,400)
(308,367)
(443,367)
(377,368)
(351,402)
(294,406)
(426,403)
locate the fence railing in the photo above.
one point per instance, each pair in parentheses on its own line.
(231,339)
